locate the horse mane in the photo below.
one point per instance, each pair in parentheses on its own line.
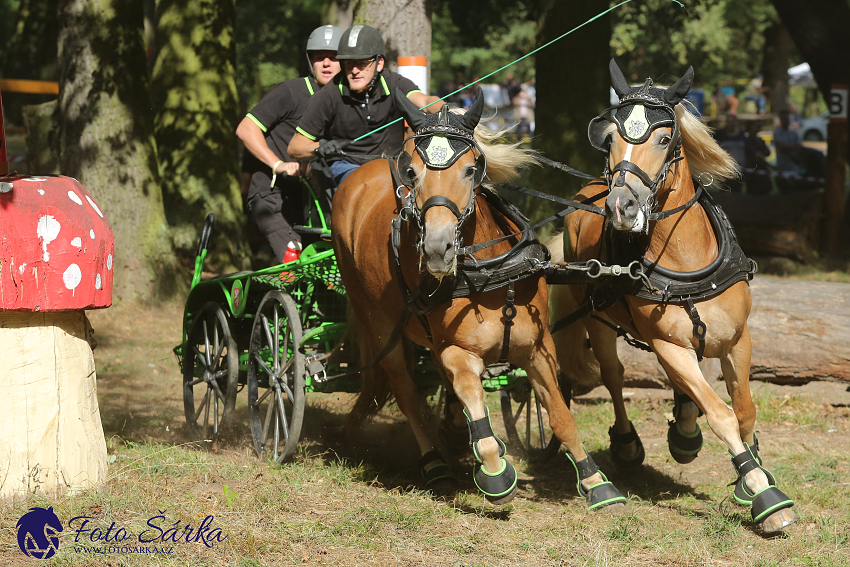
(702,151)
(504,160)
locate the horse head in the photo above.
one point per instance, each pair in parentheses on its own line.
(441,174)
(643,142)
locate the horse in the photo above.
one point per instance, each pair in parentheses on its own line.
(684,291)
(399,227)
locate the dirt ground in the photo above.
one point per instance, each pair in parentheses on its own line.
(139,391)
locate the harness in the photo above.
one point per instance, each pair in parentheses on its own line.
(440,142)
(639,112)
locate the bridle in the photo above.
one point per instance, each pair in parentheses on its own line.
(637,115)
(439,145)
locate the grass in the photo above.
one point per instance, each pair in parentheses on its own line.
(326,510)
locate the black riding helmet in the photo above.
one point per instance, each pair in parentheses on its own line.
(360,42)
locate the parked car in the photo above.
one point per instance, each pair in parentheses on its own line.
(814,129)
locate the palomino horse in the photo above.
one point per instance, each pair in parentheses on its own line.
(695,299)
(436,203)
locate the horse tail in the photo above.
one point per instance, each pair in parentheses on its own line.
(572,343)
(374,382)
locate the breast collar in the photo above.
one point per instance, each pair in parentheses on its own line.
(669,286)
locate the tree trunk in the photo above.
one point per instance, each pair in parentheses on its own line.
(28,56)
(194,95)
(821,36)
(405,25)
(777,52)
(572,87)
(106,136)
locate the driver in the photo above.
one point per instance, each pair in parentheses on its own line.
(356,102)
(266,132)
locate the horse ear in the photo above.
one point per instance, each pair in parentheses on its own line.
(415,117)
(473,115)
(618,80)
(674,94)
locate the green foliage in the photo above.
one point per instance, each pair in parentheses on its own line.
(8,21)
(270,40)
(722,39)
(473,40)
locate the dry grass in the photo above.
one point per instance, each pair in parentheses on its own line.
(350,498)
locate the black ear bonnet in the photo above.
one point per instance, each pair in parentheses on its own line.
(441,138)
(641,109)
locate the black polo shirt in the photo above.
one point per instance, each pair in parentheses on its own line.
(335,113)
(277,115)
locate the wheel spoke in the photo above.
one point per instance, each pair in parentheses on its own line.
(267,330)
(207,413)
(194,383)
(261,398)
(201,406)
(528,425)
(219,346)
(276,344)
(270,410)
(207,345)
(262,363)
(218,392)
(276,436)
(215,415)
(519,410)
(285,368)
(282,412)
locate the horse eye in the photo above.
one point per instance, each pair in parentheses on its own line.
(665,140)
(411,173)
(470,171)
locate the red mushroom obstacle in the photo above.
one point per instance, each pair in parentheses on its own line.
(56,259)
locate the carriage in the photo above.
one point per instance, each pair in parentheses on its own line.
(279,332)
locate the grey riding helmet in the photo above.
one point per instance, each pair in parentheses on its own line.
(360,42)
(323,38)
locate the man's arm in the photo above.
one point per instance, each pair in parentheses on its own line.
(301,147)
(420,99)
(252,136)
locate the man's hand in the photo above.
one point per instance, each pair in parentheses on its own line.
(329,148)
(287,167)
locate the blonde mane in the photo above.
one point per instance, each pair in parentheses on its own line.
(702,151)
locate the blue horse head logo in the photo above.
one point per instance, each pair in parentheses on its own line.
(38,532)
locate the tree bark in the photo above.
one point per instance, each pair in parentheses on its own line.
(405,25)
(777,52)
(194,96)
(106,136)
(572,87)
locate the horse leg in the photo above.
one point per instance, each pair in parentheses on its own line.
(626,448)
(682,368)
(494,476)
(736,374)
(452,431)
(592,484)
(684,437)
(435,471)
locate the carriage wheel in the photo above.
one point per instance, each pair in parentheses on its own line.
(210,373)
(524,423)
(276,377)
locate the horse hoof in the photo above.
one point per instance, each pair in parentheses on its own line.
(436,473)
(778,521)
(618,441)
(498,487)
(684,447)
(604,495)
(501,501)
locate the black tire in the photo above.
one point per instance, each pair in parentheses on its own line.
(536,439)
(279,371)
(813,136)
(210,373)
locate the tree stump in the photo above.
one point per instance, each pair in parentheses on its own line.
(56,259)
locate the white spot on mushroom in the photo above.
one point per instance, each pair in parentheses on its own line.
(48,229)
(41,191)
(109,262)
(97,282)
(22,267)
(91,234)
(34,179)
(74,197)
(77,242)
(72,276)
(93,206)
